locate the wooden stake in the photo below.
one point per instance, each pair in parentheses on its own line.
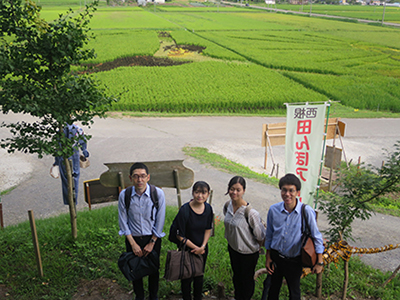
(88,195)
(392,276)
(35,242)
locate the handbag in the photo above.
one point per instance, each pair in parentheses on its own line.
(55,171)
(84,162)
(182,264)
(308,255)
(134,267)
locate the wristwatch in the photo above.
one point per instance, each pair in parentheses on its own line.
(320,263)
(153,240)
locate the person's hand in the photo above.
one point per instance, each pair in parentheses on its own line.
(269,265)
(137,250)
(198,250)
(148,248)
(85,153)
(317,269)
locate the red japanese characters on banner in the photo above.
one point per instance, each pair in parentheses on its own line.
(304,134)
(302,156)
(303,129)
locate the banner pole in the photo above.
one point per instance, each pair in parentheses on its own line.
(322,155)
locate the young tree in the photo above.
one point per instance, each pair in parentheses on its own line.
(36,79)
(357,187)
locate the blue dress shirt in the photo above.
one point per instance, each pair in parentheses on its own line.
(284,230)
(138,221)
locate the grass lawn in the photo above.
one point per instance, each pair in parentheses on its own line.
(93,258)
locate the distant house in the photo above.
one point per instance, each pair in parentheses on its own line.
(144,2)
(270,2)
(373,2)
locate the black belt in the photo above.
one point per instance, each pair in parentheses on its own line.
(142,237)
(281,256)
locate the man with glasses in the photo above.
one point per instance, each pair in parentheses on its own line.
(283,239)
(142,224)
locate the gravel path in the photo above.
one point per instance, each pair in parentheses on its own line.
(237,138)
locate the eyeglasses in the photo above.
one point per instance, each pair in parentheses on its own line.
(142,176)
(291,191)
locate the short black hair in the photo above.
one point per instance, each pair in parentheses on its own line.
(201,186)
(138,165)
(290,179)
(234,180)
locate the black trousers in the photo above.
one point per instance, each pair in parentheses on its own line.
(153,278)
(197,283)
(291,269)
(243,267)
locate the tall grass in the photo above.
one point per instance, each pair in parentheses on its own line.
(125,44)
(199,87)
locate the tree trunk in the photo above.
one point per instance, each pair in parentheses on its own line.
(318,286)
(346,279)
(71,202)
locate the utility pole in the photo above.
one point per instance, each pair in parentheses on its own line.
(383,16)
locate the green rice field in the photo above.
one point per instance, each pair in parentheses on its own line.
(254,61)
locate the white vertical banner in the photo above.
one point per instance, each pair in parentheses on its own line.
(304,140)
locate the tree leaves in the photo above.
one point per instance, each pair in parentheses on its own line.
(358,186)
(35,63)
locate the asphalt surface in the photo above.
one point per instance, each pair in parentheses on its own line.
(307,13)
(156,139)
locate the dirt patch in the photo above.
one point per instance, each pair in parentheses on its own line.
(104,288)
(5,292)
(100,289)
(145,61)
(108,289)
(189,48)
(160,59)
(164,34)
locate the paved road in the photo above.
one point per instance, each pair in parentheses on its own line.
(305,13)
(148,139)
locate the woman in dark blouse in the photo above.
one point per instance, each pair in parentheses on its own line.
(195,228)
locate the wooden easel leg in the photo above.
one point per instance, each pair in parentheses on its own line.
(178,187)
(265,157)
